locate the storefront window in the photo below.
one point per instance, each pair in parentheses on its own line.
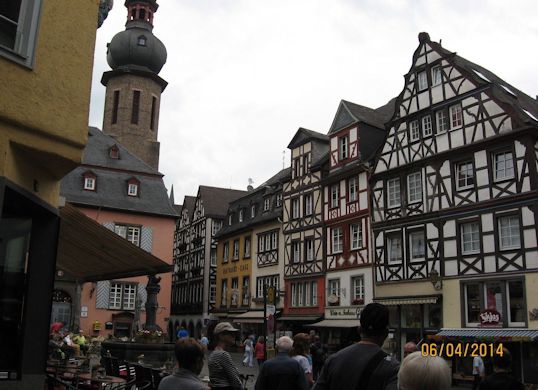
(411,316)
(494,297)
(517,303)
(14,241)
(472,292)
(433,315)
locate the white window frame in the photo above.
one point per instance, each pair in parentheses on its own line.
(132,189)
(225,251)
(427,126)
(465,165)
(414,234)
(456,116)
(252,211)
(442,121)
(337,235)
(335,195)
(333,287)
(414,130)
(213,257)
(295,252)
(23,51)
(279,200)
(467,231)
(89,183)
(274,240)
(422,81)
(129,232)
(414,187)
(357,289)
(343,148)
(122,296)
(511,239)
(507,170)
(355,234)
(266,204)
(247,250)
(353,190)
(236,250)
(314,290)
(241,215)
(391,238)
(309,249)
(437,75)
(394,192)
(308,204)
(295,208)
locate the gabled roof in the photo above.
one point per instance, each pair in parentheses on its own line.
(303,136)
(112,178)
(188,203)
(349,113)
(503,91)
(216,200)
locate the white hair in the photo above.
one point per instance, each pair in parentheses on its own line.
(419,372)
(284,344)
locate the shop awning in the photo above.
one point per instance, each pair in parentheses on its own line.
(90,252)
(250,317)
(407,300)
(299,318)
(504,334)
(335,324)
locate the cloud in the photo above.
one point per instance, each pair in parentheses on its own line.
(244,75)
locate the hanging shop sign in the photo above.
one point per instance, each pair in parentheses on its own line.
(490,318)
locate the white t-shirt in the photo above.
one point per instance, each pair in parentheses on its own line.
(478,366)
(303,361)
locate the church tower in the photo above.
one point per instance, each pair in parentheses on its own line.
(133,86)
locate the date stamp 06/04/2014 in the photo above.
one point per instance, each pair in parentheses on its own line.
(450,350)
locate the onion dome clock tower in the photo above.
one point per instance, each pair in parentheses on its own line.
(133,86)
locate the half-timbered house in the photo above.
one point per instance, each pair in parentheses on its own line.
(250,255)
(195,257)
(354,137)
(304,266)
(454,196)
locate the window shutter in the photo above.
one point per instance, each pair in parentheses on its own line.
(101,296)
(142,296)
(109,225)
(146,239)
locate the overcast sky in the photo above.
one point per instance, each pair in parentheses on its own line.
(244,75)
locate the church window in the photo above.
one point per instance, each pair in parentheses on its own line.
(136,107)
(18,30)
(115,106)
(153,113)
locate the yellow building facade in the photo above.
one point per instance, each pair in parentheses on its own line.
(234,271)
(46,62)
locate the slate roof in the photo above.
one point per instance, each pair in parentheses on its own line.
(188,203)
(502,90)
(111,180)
(271,188)
(216,200)
(303,136)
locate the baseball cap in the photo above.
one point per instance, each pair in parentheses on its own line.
(224,327)
(374,318)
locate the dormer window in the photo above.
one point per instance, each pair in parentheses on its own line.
(343,147)
(133,187)
(252,211)
(114,152)
(142,40)
(90,181)
(266,204)
(241,215)
(230,219)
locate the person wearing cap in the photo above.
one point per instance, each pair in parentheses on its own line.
(363,365)
(223,375)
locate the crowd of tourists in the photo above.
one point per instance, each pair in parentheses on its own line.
(301,363)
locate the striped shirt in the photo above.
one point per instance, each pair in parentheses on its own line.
(222,371)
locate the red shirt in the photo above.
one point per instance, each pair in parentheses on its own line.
(259,351)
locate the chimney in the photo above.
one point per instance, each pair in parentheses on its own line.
(250,182)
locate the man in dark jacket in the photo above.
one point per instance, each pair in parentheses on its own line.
(282,372)
(502,378)
(363,365)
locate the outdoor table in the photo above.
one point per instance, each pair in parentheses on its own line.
(106,380)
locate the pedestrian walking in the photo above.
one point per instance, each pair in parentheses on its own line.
(182,333)
(223,375)
(363,365)
(299,352)
(190,361)
(281,372)
(479,371)
(318,351)
(259,350)
(502,378)
(419,372)
(248,356)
